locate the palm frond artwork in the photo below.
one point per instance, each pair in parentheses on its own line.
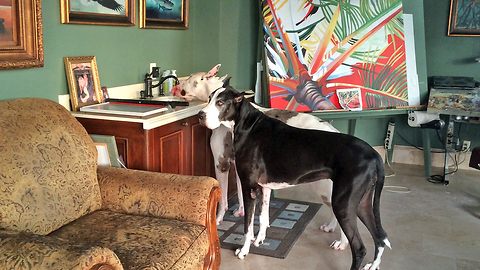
(316,47)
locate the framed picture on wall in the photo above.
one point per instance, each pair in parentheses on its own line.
(105,12)
(83,82)
(464,18)
(168,14)
(21,38)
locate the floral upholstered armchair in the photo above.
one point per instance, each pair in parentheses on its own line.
(58,210)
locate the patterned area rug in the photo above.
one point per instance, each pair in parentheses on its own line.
(288,219)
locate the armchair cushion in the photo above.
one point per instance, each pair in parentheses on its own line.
(141,242)
(32,251)
(48,167)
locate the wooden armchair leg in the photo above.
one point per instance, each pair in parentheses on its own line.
(212,260)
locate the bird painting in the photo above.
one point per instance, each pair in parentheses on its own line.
(109,4)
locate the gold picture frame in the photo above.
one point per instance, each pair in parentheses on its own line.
(116,12)
(173,15)
(83,82)
(21,37)
(107,145)
(463,19)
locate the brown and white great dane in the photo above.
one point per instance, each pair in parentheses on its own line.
(199,86)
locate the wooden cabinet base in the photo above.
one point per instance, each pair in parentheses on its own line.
(181,147)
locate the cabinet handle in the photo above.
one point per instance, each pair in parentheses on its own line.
(185,124)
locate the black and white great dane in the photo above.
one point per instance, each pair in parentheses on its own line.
(199,86)
(272,155)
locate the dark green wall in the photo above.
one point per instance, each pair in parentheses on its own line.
(450,56)
(447,55)
(238,36)
(123,54)
(223,32)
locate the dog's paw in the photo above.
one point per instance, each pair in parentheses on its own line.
(220,215)
(259,241)
(219,218)
(239,212)
(327,228)
(369,266)
(338,245)
(241,255)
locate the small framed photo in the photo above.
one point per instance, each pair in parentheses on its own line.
(464,18)
(107,150)
(168,14)
(103,12)
(350,99)
(83,83)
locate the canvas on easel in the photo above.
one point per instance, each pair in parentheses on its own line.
(314,48)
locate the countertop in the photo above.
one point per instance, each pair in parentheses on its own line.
(152,121)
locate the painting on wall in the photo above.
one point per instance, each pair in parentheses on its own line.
(6,26)
(464,18)
(316,48)
(83,82)
(104,12)
(21,37)
(168,14)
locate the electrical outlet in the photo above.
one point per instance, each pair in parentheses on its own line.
(466,146)
(449,140)
(389,135)
(155,72)
(152,65)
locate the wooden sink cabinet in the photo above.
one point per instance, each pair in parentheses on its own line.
(181,147)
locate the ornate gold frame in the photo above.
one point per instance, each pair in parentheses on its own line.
(459,20)
(165,24)
(75,17)
(89,65)
(26,49)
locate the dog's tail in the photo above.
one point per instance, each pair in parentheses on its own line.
(376,200)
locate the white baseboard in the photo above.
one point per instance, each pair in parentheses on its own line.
(413,156)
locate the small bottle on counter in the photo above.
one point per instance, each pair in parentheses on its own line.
(168,84)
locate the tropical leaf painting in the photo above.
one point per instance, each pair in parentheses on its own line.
(316,47)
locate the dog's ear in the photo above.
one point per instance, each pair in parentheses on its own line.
(224,77)
(213,72)
(239,98)
(226,82)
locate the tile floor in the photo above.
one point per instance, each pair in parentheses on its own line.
(433,226)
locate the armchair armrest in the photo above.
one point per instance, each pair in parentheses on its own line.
(20,250)
(165,195)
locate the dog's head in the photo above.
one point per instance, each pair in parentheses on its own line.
(199,85)
(221,109)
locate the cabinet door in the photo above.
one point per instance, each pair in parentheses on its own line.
(169,144)
(130,137)
(202,159)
